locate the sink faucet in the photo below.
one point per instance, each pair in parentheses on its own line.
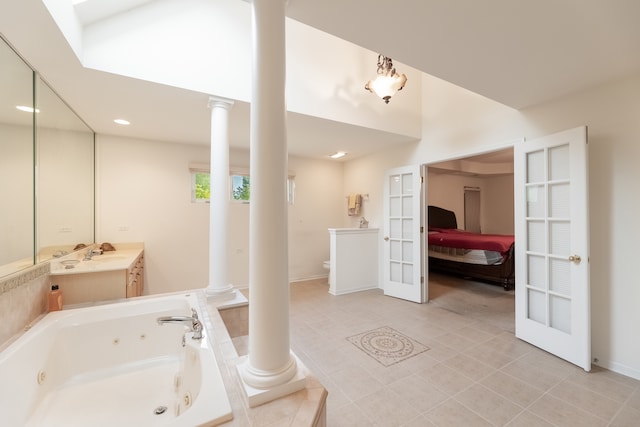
(191,322)
(88,255)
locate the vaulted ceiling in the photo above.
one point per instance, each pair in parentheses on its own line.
(514,52)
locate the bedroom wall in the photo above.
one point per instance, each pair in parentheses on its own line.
(143,194)
(496,199)
(458,123)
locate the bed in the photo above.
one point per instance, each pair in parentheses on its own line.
(485,257)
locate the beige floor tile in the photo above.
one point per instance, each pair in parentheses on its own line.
(469,366)
(355,382)
(532,375)
(563,414)
(491,406)
(474,358)
(385,404)
(603,382)
(527,419)
(587,400)
(512,388)
(452,413)
(446,379)
(627,417)
(419,392)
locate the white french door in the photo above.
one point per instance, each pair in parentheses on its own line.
(552,245)
(403,265)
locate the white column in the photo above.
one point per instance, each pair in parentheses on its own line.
(271,370)
(219,285)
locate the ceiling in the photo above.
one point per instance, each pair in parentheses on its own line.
(518,53)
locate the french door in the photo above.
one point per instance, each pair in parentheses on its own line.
(552,245)
(403,264)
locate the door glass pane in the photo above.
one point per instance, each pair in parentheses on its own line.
(407,229)
(560,276)
(395,250)
(394,207)
(559,235)
(535,236)
(407,206)
(396,272)
(559,162)
(395,229)
(560,309)
(407,251)
(407,274)
(394,185)
(535,201)
(559,198)
(537,307)
(535,166)
(537,272)
(407,184)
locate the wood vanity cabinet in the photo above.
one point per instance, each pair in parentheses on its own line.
(135,277)
(102,285)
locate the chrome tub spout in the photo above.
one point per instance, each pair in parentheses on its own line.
(190,322)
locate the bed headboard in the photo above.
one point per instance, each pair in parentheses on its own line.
(441,218)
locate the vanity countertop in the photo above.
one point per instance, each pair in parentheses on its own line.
(120,259)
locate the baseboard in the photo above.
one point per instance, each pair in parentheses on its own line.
(619,368)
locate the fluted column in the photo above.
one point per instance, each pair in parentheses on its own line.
(270,365)
(219,285)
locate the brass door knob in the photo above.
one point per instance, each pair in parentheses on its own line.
(575,258)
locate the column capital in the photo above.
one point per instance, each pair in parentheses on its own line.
(216,101)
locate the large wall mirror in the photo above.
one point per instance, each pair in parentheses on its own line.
(16,162)
(46,170)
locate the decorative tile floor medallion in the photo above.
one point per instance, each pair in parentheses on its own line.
(387,346)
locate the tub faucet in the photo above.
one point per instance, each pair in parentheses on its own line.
(191,322)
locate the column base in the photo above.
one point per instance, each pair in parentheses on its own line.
(258,396)
(226,292)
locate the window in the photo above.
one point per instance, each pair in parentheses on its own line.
(240,186)
(200,187)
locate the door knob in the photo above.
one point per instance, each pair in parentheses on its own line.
(386,238)
(575,258)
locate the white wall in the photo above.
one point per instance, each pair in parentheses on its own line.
(458,122)
(143,193)
(192,50)
(496,199)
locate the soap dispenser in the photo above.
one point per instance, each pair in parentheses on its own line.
(55,298)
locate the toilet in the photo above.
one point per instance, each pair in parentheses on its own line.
(327,266)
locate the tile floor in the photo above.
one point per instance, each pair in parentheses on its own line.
(476,372)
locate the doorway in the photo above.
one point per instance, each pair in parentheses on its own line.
(479,190)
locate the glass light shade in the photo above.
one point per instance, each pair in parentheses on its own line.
(386,85)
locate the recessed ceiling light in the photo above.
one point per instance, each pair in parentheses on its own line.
(338,154)
(122,122)
(26,109)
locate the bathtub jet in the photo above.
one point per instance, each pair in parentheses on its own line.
(192,322)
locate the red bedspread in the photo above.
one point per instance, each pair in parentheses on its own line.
(466,240)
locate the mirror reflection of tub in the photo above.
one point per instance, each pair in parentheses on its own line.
(111,365)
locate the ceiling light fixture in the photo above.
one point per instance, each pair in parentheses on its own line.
(388,82)
(338,154)
(27,109)
(122,122)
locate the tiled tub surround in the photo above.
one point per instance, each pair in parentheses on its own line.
(75,366)
(23,300)
(303,408)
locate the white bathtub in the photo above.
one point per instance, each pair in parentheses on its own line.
(113,365)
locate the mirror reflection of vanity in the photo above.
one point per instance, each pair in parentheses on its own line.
(46,170)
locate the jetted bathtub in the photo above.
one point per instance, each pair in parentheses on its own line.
(113,365)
